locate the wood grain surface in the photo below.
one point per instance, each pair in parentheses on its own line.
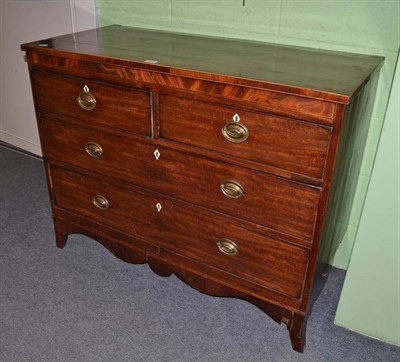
(300,70)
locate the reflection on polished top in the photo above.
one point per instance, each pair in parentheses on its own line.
(321,74)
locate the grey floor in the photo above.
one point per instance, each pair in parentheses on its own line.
(83,304)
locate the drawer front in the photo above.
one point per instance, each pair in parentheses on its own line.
(277,203)
(205,236)
(293,145)
(117,107)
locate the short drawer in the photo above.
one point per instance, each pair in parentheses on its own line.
(93,103)
(293,145)
(277,203)
(202,235)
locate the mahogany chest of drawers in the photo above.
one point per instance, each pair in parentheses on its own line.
(221,161)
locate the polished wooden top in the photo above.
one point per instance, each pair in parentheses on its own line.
(315,73)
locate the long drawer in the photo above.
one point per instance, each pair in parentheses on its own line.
(92,102)
(205,236)
(293,145)
(277,203)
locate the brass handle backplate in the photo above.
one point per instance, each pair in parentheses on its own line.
(93,149)
(87,101)
(100,202)
(235,132)
(228,247)
(232,189)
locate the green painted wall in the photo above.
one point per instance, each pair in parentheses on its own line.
(370,300)
(370,27)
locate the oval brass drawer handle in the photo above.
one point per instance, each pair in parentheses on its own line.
(232,189)
(93,149)
(228,247)
(87,101)
(100,202)
(235,132)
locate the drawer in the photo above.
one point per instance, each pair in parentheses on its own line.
(205,236)
(277,203)
(118,107)
(293,145)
